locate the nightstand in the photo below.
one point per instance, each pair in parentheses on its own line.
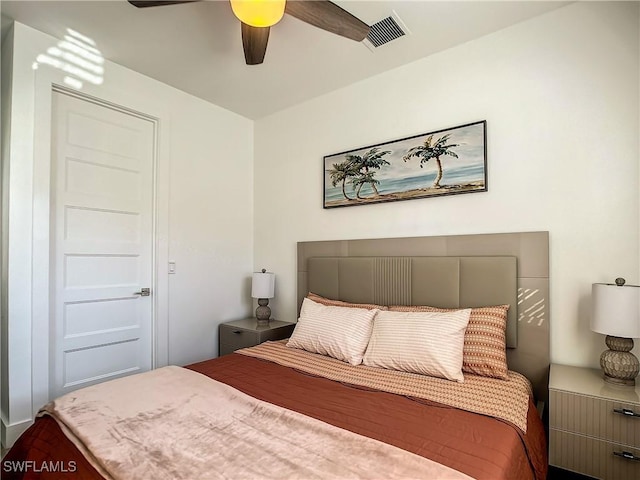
(247,333)
(594,426)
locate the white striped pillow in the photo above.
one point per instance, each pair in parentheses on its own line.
(339,332)
(429,343)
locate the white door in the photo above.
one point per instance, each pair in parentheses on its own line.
(102,251)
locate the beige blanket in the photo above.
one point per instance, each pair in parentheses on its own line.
(503,399)
(173,423)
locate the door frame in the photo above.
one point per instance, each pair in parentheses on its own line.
(47,80)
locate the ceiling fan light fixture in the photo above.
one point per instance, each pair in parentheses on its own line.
(258,13)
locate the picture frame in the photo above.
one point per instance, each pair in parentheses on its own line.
(450,161)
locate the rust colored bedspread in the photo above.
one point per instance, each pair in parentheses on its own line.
(481,447)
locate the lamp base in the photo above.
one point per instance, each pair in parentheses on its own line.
(263,312)
(620,366)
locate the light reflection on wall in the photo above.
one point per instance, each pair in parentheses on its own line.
(78,57)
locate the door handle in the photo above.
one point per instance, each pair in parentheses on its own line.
(144,292)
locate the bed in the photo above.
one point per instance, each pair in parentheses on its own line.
(320,416)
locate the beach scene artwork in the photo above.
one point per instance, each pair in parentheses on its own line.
(443,162)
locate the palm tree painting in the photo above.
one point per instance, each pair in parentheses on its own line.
(451,161)
(359,170)
(340,173)
(429,150)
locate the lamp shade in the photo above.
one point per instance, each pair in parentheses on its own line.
(615,310)
(258,13)
(263,284)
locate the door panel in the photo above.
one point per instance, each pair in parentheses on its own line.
(99,315)
(102,180)
(91,365)
(101,225)
(102,221)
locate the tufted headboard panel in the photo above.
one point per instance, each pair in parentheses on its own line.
(445,282)
(445,271)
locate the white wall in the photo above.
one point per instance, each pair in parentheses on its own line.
(210,225)
(205,220)
(5,104)
(560,96)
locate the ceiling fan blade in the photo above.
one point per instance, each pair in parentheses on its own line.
(157,3)
(328,16)
(254,41)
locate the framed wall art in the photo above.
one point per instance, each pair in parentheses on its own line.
(433,164)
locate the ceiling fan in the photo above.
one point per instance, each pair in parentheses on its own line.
(258,16)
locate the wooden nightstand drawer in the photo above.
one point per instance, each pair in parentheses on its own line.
(247,333)
(584,431)
(234,338)
(592,457)
(594,417)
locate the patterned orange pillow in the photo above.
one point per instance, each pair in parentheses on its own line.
(339,303)
(485,343)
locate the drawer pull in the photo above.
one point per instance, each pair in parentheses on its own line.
(237,332)
(627,455)
(626,412)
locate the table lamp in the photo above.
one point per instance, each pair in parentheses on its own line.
(616,314)
(263,287)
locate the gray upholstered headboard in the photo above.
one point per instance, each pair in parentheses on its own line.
(447,272)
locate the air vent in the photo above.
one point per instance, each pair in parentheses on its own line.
(386,30)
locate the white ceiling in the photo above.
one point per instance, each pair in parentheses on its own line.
(197,48)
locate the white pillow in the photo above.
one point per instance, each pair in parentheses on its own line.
(429,343)
(339,332)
